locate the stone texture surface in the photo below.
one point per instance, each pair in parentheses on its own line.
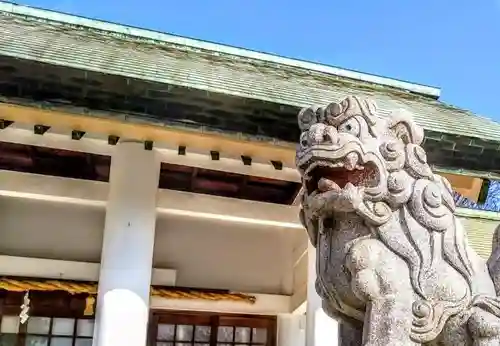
(350,334)
(391,254)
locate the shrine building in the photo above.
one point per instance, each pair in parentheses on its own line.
(148,190)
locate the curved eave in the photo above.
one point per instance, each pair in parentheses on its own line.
(214,47)
(71,41)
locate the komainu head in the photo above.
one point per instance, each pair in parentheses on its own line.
(353,160)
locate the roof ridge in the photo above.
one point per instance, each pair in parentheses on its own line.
(14,8)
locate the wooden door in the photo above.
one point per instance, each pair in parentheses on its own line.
(211,329)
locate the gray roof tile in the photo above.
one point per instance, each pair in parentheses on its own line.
(135,57)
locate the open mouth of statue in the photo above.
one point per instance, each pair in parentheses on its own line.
(324,176)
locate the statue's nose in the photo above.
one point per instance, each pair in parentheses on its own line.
(323,134)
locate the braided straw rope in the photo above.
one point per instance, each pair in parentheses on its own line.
(91,289)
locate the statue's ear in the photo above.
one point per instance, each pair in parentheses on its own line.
(405,128)
(308,116)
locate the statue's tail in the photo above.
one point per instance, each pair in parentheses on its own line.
(494,260)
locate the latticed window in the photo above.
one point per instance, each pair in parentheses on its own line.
(203,329)
(56,319)
(45,331)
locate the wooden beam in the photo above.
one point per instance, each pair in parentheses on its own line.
(284,152)
(68,270)
(167,155)
(22,136)
(94,193)
(271,153)
(265,304)
(227,209)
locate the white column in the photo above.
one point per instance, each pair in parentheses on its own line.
(291,330)
(321,330)
(126,262)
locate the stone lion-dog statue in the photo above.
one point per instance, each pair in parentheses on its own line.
(391,255)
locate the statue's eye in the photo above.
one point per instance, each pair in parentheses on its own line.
(350,126)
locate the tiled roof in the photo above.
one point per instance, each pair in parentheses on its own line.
(56,40)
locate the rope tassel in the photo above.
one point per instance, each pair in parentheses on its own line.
(25,308)
(89,306)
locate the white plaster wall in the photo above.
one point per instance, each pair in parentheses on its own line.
(206,253)
(35,228)
(300,264)
(228,255)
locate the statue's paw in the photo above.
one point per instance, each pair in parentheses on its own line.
(347,199)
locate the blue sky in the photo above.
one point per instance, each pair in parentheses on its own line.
(452,44)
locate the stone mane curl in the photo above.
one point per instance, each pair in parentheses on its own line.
(423,220)
(423,201)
